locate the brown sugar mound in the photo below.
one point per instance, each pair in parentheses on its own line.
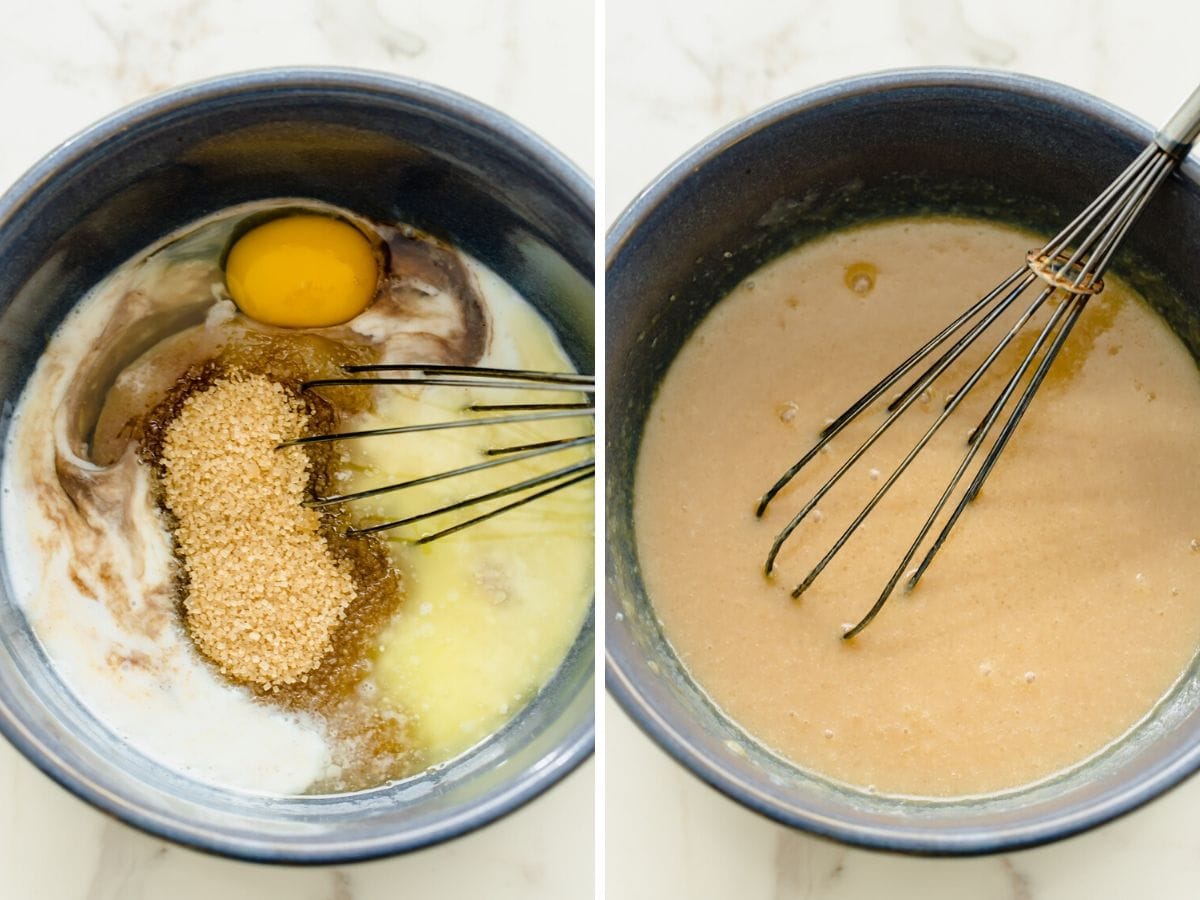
(264,594)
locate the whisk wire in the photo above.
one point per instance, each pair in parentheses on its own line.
(830,431)
(524,385)
(437,426)
(503,509)
(425,375)
(957,350)
(517,448)
(1063,239)
(584,469)
(945,414)
(1078,302)
(1071,264)
(497,407)
(584,383)
(972,450)
(317,502)
(943,363)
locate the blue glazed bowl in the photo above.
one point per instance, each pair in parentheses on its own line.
(390,149)
(942,140)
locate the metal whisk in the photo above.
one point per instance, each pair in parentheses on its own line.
(1069,267)
(527,490)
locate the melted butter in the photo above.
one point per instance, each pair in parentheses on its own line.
(491,611)
(1064,605)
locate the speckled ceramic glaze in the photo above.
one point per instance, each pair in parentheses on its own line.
(960,141)
(393,150)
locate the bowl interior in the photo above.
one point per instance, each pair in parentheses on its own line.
(939,141)
(388,149)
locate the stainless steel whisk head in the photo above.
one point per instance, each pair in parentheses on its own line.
(526,490)
(1067,269)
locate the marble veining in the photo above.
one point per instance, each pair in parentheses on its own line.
(803,867)
(68,63)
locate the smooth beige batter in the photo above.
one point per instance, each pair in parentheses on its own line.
(1065,603)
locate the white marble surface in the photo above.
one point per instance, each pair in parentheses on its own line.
(64,64)
(677,71)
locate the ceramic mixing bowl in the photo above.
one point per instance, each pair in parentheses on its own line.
(953,141)
(391,150)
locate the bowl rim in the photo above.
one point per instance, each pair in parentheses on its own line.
(620,680)
(338,78)
(497,803)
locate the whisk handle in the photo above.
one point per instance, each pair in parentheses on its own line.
(1177,135)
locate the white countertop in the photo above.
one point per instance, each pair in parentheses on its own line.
(675,72)
(66,63)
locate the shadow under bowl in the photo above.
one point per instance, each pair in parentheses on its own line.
(386,148)
(953,141)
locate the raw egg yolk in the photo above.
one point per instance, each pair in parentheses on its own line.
(304,271)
